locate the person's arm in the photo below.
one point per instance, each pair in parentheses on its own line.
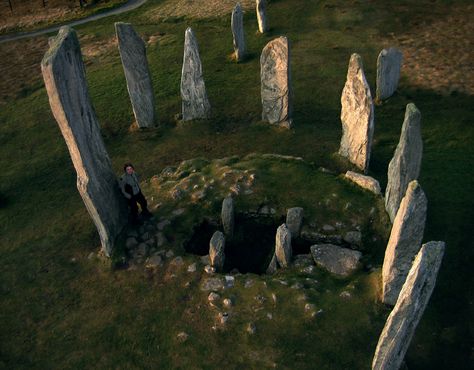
(122,188)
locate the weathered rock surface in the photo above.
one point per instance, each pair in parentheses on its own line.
(337,260)
(389,64)
(272,266)
(237,25)
(406,162)
(65,81)
(261,6)
(195,104)
(294,220)
(283,249)
(217,250)
(135,66)
(357,116)
(411,303)
(212,283)
(227,216)
(353,238)
(404,242)
(275,75)
(365,182)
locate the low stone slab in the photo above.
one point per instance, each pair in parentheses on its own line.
(357,116)
(404,242)
(336,260)
(294,220)
(406,162)
(212,283)
(275,76)
(217,250)
(227,216)
(365,182)
(411,303)
(389,64)
(283,249)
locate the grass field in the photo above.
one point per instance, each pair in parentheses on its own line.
(60,309)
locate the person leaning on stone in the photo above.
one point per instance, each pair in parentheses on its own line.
(131,190)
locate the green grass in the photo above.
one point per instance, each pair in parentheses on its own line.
(56,312)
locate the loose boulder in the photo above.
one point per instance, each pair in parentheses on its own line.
(389,64)
(357,116)
(227,216)
(365,182)
(65,81)
(135,66)
(411,303)
(195,104)
(404,242)
(294,220)
(237,25)
(217,250)
(283,249)
(406,162)
(336,260)
(275,75)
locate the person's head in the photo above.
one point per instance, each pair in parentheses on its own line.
(128,168)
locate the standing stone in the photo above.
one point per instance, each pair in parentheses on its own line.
(65,81)
(294,220)
(237,25)
(283,250)
(135,66)
(406,162)
(272,266)
(389,64)
(262,15)
(195,104)
(357,116)
(403,320)
(404,243)
(216,250)
(275,75)
(227,216)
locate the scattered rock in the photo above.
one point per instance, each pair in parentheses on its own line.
(160,239)
(209,269)
(182,337)
(212,283)
(229,281)
(192,267)
(227,302)
(205,259)
(178,212)
(162,224)
(154,261)
(248,283)
(345,294)
(251,328)
(328,228)
(353,238)
(213,297)
(169,253)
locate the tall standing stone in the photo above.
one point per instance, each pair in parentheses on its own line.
(357,116)
(135,66)
(406,162)
(389,64)
(275,75)
(65,81)
(405,316)
(237,25)
(283,249)
(195,104)
(405,241)
(227,216)
(262,15)
(217,250)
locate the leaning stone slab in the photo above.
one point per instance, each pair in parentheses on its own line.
(275,76)
(272,266)
(337,260)
(227,216)
(65,81)
(406,162)
(283,249)
(357,116)
(405,316)
(135,66)
(294,220)
(195,104)
(262,15)
(365,182)
(389,64)
(237,25)
(404,242)
(216,250)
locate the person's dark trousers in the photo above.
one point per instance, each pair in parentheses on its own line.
(132,203)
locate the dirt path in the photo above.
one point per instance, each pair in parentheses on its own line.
(132,4)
